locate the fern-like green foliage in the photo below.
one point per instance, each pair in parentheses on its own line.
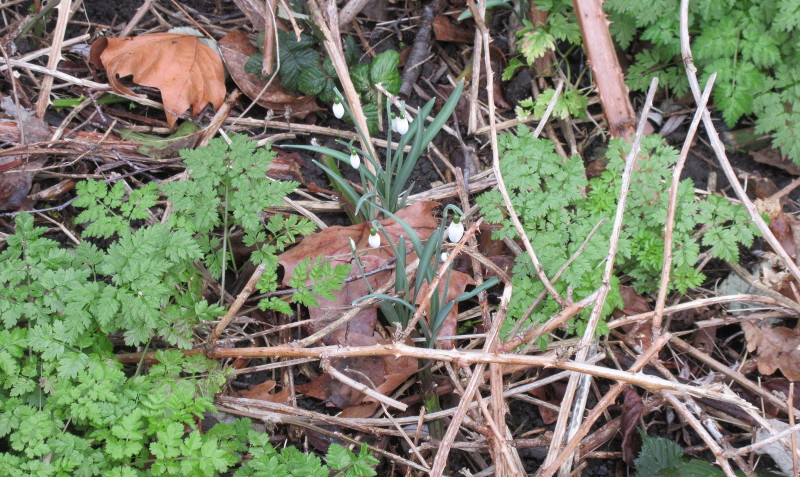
(749,44)
(559,208)
(67,405)
(228,187)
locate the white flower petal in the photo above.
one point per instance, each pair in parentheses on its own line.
(444,256)
(338,110)
(455,231)
(402,125)
(374,240)
(355,161)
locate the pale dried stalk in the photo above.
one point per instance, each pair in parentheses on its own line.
(731,373)
(288,415)
(501,186)
(465,358)
(237,305)
(144,8)
(478,11)
(666,265)
(579,385)
(361,387)
(719,149)
(608,399)
(703,302)
(54,57)
(333,45)
(769,440)
(440,461)
(701,431)
(36,54)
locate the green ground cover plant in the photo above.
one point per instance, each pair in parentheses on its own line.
(303,69)
(559,208)
(747,43)
(67,405)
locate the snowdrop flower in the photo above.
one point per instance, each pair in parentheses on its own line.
(374,238)
(402,123)
(444,256)
(338,109)
(394,123)
(456,229)
(355,161)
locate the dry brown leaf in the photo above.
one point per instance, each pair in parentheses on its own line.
(632,408)
(186,71)
(444,30)
(262,393)
(333,244)
(17,171)
(773,157)
(236,49)
(381,373)
(777,348)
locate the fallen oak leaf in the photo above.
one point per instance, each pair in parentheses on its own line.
(186,71)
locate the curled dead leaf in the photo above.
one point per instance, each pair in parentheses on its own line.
(236,49)
(333,244)
(185,70)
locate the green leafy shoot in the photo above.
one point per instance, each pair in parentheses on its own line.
(559,208)
(389,184)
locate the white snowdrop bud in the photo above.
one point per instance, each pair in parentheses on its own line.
(402,123)
(374,239)
(355,161)
(338,109)
(444,256)
(394,123)
(456,230)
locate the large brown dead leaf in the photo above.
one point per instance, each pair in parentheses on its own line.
(333,244)
(186,71)
(777,348)
(236,49)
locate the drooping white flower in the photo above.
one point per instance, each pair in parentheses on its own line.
(402,123)
(338,109)
(456,230)
(374,238)
(444,256)
(355,161)
(394,123)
